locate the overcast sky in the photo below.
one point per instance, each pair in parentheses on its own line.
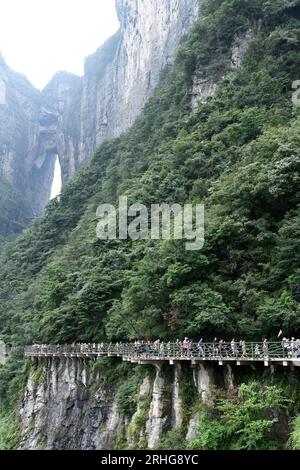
(41,37)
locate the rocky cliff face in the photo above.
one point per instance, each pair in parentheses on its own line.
(73,115)
(67,405)
(34,128)
(60,122)
(121,75)
(25,179)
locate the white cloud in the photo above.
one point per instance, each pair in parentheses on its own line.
(40,37)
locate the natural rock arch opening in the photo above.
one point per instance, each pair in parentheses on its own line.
(57,179)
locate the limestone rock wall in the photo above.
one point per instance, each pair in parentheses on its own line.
(121,75)
(67,405)
(203,86)
(25,177)
(73,115)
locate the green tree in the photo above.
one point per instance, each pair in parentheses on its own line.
(244,421)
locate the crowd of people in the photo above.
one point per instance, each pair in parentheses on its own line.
(287,348)
(291,347)
(219,348)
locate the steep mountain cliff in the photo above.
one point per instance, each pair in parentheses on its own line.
(119,77)
(25,176)
(238,153)
(72,115)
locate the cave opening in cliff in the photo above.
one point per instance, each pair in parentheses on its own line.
(57,179)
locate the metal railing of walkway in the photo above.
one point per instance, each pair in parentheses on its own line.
(242,353)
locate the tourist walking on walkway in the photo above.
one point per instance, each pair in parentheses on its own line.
(233,348)
(178,348)
(286,346)
(221,348)
(200,347)
(185,346)
(265,348)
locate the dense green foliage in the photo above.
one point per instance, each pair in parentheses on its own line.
(243,421)
(127,393)
(239,154)
(294,442)
(15,212)
(13,378)
(173,440)
(253,416)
